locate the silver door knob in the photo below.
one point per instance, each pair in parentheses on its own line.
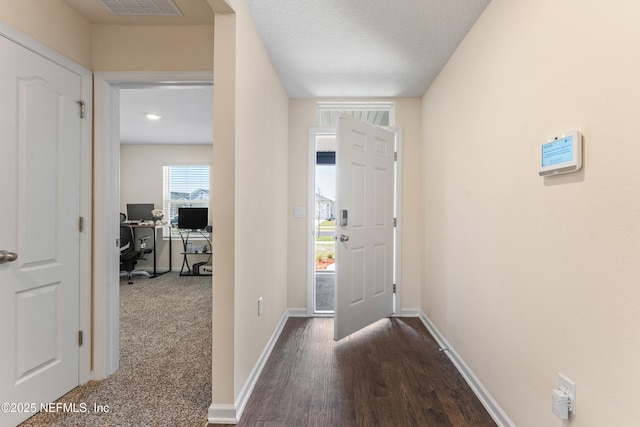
(6,256)
(344,238)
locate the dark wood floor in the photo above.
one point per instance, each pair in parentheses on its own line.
(389,374)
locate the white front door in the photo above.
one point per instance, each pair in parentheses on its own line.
(364,225)
(40,193)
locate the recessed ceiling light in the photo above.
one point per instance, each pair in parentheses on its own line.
(151,116)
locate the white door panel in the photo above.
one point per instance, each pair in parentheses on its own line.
(364,256)
(40,172)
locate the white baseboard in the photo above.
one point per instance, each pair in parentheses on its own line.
(409,312)
(297,312)
(230,414)
(222,414)
(489,403)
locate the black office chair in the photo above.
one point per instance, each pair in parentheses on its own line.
(144,251)
(128,254)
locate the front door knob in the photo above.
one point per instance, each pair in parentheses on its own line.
(6,256)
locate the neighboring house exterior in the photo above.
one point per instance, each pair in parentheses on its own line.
(194,195)
(324,208)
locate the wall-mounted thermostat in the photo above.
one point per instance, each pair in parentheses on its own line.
(561,154)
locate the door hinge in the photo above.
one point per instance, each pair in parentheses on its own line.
(395,156)
(81,103)
(394,288)
(395,222)
(80,339)
(81,224)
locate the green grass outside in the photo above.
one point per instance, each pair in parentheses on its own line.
(326,226)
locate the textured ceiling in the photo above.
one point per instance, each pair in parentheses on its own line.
(187,115)
(320,48)
(339,48)
(362,48)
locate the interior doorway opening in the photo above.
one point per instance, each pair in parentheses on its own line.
(106,339)
(324,224)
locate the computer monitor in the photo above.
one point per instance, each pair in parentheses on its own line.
(140,211)
(193,218)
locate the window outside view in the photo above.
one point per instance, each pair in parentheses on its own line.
(184,186)
(325,232)
(325,217)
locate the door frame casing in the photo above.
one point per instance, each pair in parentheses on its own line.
(311,166)
(86,94)
(107,203)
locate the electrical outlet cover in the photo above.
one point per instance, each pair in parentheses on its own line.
(569,387)
(559,400)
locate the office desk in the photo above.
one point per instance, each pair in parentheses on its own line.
(155,228)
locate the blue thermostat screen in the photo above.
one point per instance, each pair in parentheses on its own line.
(556,152)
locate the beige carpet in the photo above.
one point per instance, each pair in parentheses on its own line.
(165,360)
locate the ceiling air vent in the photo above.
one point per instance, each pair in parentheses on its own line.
(142,7)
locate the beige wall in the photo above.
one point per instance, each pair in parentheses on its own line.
(223,192)
(152,48)
(141,182)
(111,47)
(250,133)
(54,24)
(261,196)
(302,117)
(526,276)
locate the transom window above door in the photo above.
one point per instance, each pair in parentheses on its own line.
(375,113)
